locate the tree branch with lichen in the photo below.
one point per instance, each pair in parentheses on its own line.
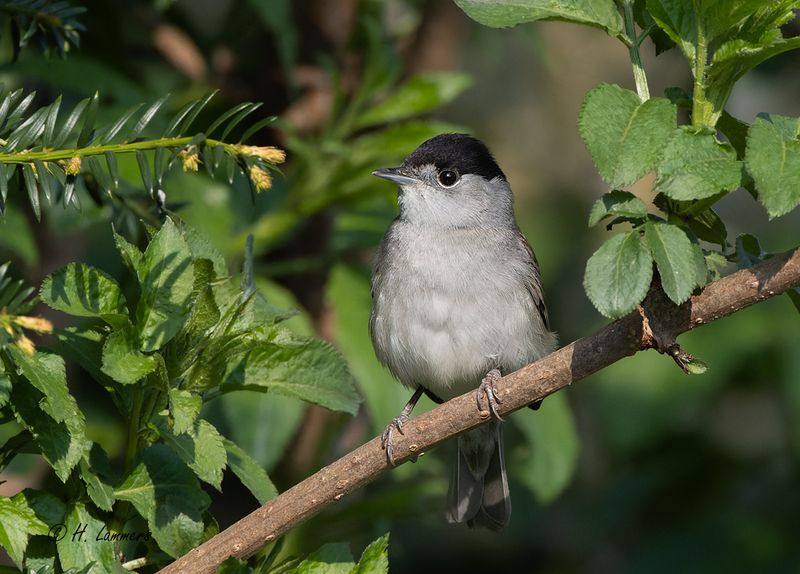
(655,324)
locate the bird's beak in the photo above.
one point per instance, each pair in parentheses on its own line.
(394,174)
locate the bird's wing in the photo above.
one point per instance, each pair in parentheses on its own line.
(533,279)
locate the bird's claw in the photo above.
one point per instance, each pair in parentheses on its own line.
(387,438)
(488,389)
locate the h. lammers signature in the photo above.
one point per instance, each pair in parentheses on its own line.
(59,531)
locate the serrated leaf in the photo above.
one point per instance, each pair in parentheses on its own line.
(17,523)
(696,166)
(624,135)
(503,13)
(122,360)
(46,373)
(165,491)
(619,274)
(84,291)
(333,558)
(166,276)
(375,558)
(184,406)
(618,204)
(417,96)
(672,251)
(678,19)
(305,368)
(201,449)
(205,312)
(550,458)
(99,491)
(773,160)
(734,59)
(708,226)
(83,544)
(131,255)
(62,442)
(253,477)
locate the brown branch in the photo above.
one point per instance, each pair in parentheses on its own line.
(655,324)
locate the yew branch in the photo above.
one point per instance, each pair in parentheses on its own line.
(655,324)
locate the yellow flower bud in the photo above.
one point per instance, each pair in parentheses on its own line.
(73,166)
(269,154)
(38,324)
(189,158)
(260,178)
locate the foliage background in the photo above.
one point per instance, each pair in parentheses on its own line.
(666,473)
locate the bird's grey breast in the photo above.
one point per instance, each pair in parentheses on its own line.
(451,304)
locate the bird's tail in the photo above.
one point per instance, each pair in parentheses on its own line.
(478,492)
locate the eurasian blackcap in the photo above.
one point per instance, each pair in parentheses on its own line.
(457,301)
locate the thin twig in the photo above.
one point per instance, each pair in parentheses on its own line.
(658,319)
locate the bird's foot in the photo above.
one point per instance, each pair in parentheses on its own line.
(387,438)
(488,389)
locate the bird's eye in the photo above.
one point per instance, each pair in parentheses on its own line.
(448,177)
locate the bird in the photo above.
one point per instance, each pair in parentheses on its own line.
(457,302)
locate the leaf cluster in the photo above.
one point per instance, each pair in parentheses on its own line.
(630,135)
(183,336)
(53,26)
(50,153)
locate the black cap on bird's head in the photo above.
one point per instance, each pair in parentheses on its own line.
(461,153)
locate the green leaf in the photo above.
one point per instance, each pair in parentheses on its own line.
(166,493)
(503,13)
(62,441)
(696,166)
(184,407)
(773,160)
(85,348)
(733,60)
(84,291)
(417,96)
(708,226)
(748,251)
(166,276)
(122,360)
(101,493)
(46,372)
(18,522)
(80,546)
(794,295)
(375,558)
(348,294)
(624,135)
(678,19)
(695,366)
(131,255)
(88,121)
(29,178)
(305,368)
(618,274)
(550,456)
(252,475)
(617,204)
(673,253)
(328,559)
(205,312)
(201,448)
(70,123)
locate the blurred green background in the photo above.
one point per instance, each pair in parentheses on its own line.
(638,469)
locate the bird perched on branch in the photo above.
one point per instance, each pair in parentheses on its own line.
(457,301)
